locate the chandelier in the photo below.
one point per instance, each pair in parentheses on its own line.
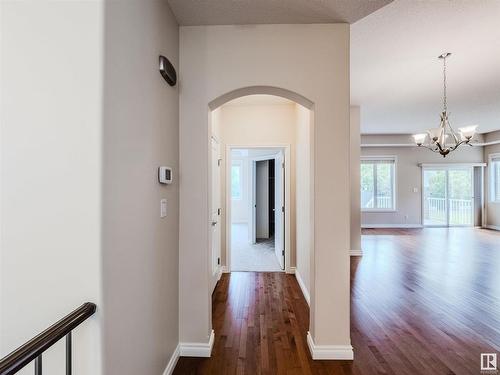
(444,139)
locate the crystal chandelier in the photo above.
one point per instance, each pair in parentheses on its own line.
(444,139)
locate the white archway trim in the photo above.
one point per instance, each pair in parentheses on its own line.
(261,90)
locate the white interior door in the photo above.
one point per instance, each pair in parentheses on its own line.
(279,209)
(215,223)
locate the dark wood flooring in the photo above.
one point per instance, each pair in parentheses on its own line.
(424,301)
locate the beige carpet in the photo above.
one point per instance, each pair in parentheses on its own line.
(251,257)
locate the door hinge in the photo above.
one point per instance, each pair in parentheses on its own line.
(282,165)
(282,208)
(282,252)
(218,211)
(218,162)
(218,261)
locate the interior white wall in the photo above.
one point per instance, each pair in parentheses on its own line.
(51,108)
(257,125)
(492,208)
(240,207)
(140,249)
(313,61)
(409,176)
(355,154)
(304,174)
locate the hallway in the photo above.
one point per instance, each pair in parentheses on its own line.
(423,302)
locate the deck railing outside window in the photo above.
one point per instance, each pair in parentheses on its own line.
(460,210)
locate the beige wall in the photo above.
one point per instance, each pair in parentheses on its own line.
(140,249)
(313,61)
(257,125)
(492,216)
(51,102)
(493,137)
(355,140)
(408,176)
(303,199)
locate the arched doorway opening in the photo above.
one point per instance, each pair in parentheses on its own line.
(260,119)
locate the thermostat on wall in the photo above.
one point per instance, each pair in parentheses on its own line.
(165,175)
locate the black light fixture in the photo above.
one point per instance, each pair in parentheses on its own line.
(167,71)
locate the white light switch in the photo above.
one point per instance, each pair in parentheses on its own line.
(163,208)
(415,190)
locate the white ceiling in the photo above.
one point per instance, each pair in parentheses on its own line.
(396,77)
(246,12)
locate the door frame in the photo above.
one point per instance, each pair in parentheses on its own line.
(446,168)
(214,274)
(286,149)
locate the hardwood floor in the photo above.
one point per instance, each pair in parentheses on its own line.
(422,302)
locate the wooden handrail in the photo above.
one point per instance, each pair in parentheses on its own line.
(31,350)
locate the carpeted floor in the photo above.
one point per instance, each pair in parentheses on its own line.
(251,257)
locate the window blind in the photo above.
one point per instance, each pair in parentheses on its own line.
(378,161)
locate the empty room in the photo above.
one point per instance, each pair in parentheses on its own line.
(285,187)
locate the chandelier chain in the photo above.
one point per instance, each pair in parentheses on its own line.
(445,100)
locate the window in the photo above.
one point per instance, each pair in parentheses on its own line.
(378,183)
(495,177)
(236,190)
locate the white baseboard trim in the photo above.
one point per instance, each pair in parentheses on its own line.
(338,352)
(172,362)
(391,226)
(291,270)
(356,253)
(197,349)
(493,227)
(224,269)
(305,292)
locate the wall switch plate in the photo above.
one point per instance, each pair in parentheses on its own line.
(415,190)
(163,208)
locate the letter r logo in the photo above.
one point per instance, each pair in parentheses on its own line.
(488,361)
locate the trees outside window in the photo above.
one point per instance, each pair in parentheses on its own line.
(378,184)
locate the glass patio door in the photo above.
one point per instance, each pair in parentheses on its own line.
(461,200)
(448,197)
(435,197)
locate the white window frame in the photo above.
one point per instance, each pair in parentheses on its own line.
(492,177)
(239,164)
(394,182)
